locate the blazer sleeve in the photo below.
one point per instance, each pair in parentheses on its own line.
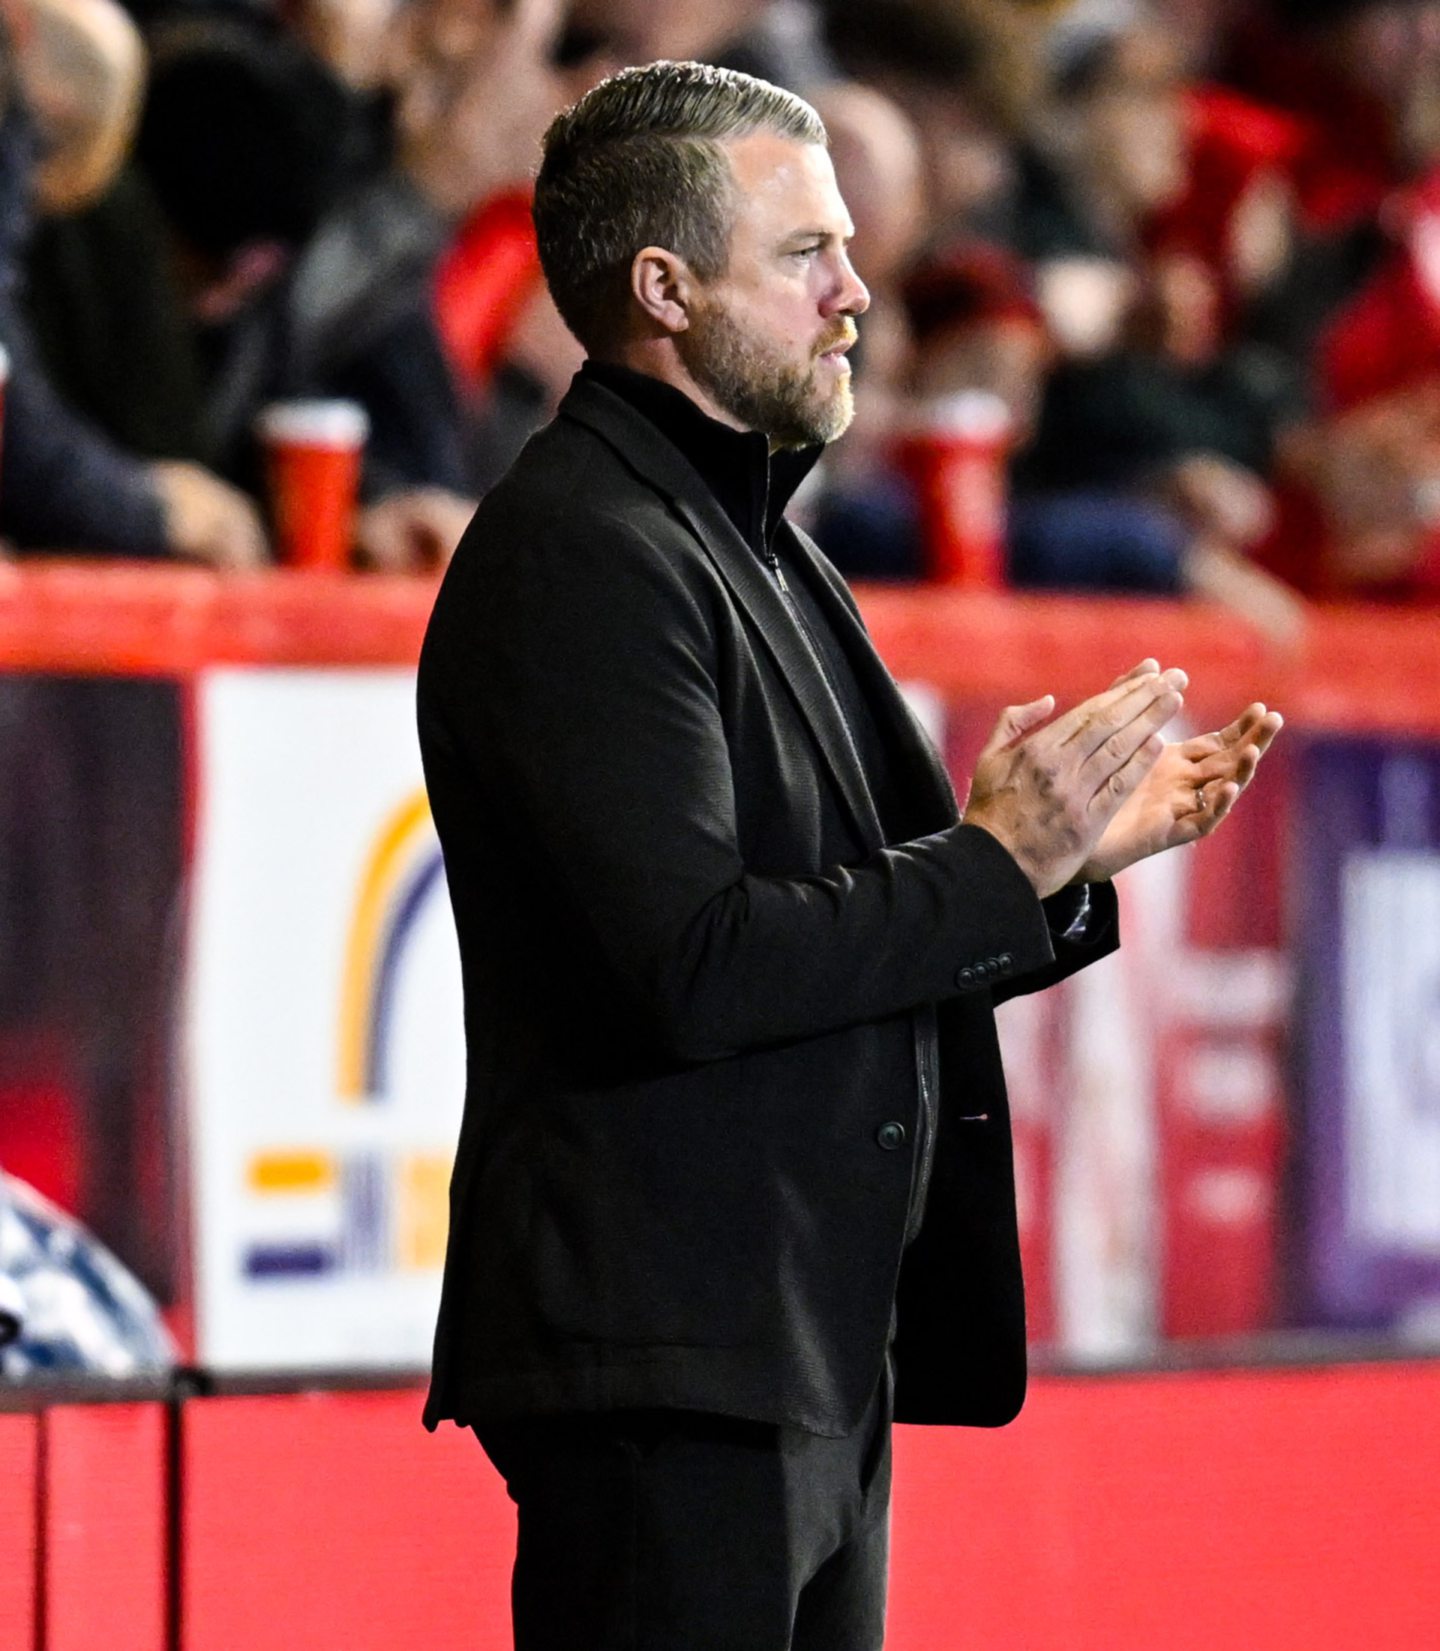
(1075,949)
(576,679)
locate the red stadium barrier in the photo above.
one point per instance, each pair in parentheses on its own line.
(106,1532)
(1356,668)
(19,1505)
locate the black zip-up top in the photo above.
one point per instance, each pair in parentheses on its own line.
(754,487)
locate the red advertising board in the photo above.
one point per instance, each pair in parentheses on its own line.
(319,1520)
(1269,1510)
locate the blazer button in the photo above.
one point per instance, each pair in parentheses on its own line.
(891,1136)
(965,976)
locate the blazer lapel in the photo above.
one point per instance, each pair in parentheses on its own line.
(663,467)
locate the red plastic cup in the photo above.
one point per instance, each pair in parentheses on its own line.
(313,452)
(955,456)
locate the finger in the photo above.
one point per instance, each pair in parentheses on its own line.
(1245,765)
(1248,726)
(1266,730)
(1237,730)
(1204,813)
(1091,723)
(1117,784)
(1223,801)
(1079,717)
(1118,744)
(1146,667)
(1015,722)
(1222,765)
(1257,741)
(1217,802)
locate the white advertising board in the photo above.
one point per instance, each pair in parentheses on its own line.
(325,1051)
(1392,1046)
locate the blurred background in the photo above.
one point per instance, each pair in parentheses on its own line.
(1153,365)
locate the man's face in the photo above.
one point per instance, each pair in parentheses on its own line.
(767,340)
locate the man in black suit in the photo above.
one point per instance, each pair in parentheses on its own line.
(735,1153)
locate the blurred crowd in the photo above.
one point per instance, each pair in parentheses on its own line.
(1179,259)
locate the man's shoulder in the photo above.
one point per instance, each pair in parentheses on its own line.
(569,492)
(570,535)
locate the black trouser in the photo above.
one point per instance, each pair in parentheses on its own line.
(664,1530)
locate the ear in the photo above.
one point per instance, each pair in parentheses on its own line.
(662,285)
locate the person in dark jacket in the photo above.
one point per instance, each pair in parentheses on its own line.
(263,162)
(735,1155)
(65,485)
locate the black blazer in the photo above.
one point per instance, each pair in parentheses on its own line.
(699,984)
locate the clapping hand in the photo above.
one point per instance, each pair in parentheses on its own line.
(1049,788)
(1078,797)
(1190,789)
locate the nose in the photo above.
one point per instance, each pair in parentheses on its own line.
(850,295)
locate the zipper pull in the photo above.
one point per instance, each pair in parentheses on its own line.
(774,564)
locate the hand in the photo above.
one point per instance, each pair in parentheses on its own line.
(207,519)
(412,531)
(1192,787)
(1224,575)
(1223,500)
(475,96)
(1048,793)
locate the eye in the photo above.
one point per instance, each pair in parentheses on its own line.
(806,252)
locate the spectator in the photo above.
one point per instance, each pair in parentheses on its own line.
(1361,493)
(1156,439)
(83,72)
(249,142)
(513,354)
(866,520)
(1108,250)
(1361,79)
(966,74)
(473,86)
(66,486)
(444,113)
(100,297)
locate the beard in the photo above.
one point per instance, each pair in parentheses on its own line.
(753,382)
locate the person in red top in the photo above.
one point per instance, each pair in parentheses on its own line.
(1227,228)
(1359,77)
(1361,514)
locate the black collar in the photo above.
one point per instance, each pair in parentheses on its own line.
(752,486)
